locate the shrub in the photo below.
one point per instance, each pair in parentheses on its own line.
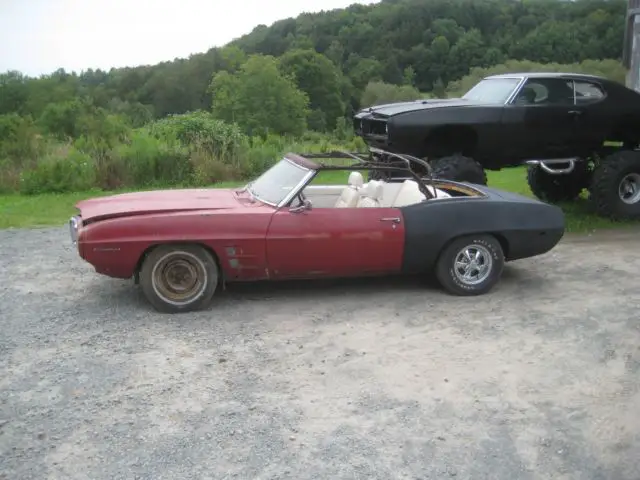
(63,171)
(19,139)
(146,160)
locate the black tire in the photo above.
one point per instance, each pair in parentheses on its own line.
(157,287)
(460,169)
(492,254)
(606,190)
(378,175)
(557,188)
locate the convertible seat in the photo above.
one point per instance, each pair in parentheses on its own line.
(349,196)
(371,195)
(410,193)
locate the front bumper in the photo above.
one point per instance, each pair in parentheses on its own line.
(75,223)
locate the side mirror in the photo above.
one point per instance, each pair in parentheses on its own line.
(306,205)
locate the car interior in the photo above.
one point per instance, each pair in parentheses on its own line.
(375,193)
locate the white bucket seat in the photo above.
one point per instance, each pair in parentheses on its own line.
(349,196)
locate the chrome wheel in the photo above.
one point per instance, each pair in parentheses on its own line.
(473,264)
(629,189)
(179,278)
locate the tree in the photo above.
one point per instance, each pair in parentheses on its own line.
(320,79)
(260,98)
(409,76)
(378,93)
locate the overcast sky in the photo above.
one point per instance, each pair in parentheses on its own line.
(40,36)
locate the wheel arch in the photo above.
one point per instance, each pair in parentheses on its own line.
(441,139)
(501,238)
(150,248)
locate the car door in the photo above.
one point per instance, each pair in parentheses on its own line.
(539,122)
(592,116)
(326,242)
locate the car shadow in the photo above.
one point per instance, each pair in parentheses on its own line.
(324,287)
(125,295)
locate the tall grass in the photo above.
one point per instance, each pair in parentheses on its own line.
(182,150)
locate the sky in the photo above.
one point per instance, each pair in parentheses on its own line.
(39,36)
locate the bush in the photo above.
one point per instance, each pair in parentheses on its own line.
(63,171)
(194,149)
(146,160)
(19,139)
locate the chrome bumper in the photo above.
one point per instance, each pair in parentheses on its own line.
(74,225)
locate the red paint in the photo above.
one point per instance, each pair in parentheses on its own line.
(253,241)
(196,217)
(334,242)
(140,203)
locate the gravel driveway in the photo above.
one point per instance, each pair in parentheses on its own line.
(373,379)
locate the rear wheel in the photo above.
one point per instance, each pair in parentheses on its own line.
(558,188)
(179,278)
(470,265)
(615,186)
(459,169)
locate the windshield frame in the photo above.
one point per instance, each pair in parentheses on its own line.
(309,174)
(514,91)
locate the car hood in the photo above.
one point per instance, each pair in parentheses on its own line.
(390,109)
(159,201)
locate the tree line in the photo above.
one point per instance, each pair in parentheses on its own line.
(424,44)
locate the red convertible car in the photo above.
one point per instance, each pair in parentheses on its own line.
(181,245)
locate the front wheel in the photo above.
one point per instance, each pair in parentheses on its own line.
(470,265)
(459,169)
(179,278)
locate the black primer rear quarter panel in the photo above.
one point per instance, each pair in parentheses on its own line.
(527,227)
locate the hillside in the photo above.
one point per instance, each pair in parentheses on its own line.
(443,39)
(425,43)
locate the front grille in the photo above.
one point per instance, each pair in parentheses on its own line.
(371,127)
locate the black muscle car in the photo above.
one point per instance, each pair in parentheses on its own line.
(557,123)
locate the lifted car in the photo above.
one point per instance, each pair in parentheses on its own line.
(183,244)
(557,123)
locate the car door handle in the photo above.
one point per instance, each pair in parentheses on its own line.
(575,112)
(390,219)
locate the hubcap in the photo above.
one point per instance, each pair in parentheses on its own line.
(629,189)
(179,278)
(473,264)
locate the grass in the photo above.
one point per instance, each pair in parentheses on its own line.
(19,211)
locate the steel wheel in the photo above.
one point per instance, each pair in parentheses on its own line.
(629,189)
(179,277)
(473,264)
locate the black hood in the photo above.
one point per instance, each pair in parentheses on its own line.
(390,109)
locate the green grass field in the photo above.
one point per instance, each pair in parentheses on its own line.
(19,211)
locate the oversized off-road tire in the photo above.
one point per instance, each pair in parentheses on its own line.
(460,169)
(378,175)
(615,186)
(179,278)
(470,265)
(558,188)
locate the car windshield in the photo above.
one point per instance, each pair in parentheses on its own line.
(275,184)
(492,90)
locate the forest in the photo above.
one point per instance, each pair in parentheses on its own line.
(226,114)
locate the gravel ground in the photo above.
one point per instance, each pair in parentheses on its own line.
(376,379)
